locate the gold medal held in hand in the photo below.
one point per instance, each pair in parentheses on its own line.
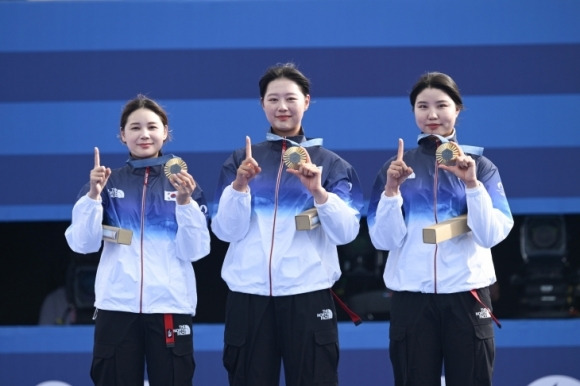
(174,166)
(293,156)
(447,153)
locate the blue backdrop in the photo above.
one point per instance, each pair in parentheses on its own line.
(67,68)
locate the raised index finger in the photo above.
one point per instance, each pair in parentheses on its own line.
(401,150)
(97,158)
(248,147)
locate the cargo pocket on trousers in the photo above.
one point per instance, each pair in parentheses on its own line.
(326,356)
(103,360)
(232,347)
(398,350)
(484,351)
(183,362)
(103,351)
(397,335)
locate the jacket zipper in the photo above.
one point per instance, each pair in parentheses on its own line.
(278,178)
(145,182)
(435,185)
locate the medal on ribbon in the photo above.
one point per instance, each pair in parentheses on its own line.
(447,153)
(174,166)
(293,156)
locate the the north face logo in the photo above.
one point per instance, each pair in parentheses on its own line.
(483,314)
(116,193)
(183,330)
(325,315)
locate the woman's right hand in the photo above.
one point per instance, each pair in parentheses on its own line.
(397,172)
(98,178)
(247,170)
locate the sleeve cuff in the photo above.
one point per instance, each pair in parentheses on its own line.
(474,190)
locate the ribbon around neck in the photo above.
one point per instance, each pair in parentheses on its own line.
(310,142)
(143,163)
(475,150)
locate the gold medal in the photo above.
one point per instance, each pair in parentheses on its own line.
(293,156)
(447,153)
(174,166)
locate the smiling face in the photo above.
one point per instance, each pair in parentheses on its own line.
(284,105)
(435,112)
(144,133)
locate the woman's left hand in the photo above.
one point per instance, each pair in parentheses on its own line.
(184,183)
(464,169)
(310,176)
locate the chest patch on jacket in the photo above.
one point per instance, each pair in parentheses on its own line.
(116,193)
(170,196)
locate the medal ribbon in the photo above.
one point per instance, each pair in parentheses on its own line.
(475,150)
(308,143)
(146,162)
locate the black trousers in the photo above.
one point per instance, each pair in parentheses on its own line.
(125,341)
(300,331)
(431,331)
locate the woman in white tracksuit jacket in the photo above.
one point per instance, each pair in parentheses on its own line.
(145,292)
(280,307)
(440,307)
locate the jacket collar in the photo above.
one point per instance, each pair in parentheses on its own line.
(143,163)
(298,140)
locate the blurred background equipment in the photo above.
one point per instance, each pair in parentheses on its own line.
(361,284)
(545,282)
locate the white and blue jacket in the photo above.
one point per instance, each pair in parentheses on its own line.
(154,274)
(267,255)
(430,196)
